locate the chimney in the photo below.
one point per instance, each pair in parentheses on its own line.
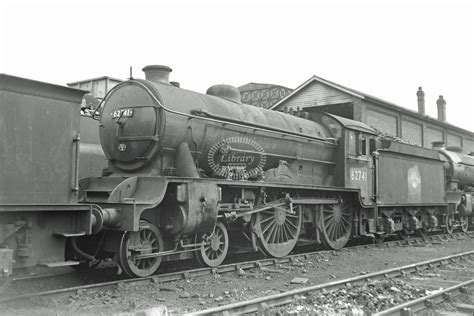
(157,73)
(421,101)
(438,144)
(441,109)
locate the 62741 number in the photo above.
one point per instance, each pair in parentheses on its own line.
(358,174)
(122,113)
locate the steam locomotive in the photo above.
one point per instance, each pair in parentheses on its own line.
(194,175)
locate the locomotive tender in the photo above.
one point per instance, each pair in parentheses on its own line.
(193,175)
(39,179)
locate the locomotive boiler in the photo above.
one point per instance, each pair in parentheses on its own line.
(144,122)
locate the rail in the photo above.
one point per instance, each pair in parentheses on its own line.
(231,268)
(264,303)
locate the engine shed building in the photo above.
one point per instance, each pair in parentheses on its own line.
(97,87)
(416,127)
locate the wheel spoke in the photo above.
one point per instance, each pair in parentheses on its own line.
(268,235)
(340,230)
(276,237)
(287,232)
(290,223)
(267,219)
(273,235)
(280,234)
(272,224)
(328,217)
(345,220)
(331,227)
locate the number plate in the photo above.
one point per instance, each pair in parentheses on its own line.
(122,113)
(358,174)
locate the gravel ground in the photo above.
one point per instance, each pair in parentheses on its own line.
(209,291)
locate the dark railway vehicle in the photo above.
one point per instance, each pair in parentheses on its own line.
(193,174)
(39,180)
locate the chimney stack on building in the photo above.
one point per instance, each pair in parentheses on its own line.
(438,144)
(441,109)
(421,101)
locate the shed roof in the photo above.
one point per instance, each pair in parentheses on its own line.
(95,79)
(258,86)
(367,97)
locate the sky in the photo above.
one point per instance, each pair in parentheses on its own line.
(383,48)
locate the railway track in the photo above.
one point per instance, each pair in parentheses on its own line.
(228,268)
(431,292)
(433,301)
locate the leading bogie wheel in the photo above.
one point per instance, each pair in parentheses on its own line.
(464,221)
(214,248)
(448,221)
(278,229)
(336,224)
(146,241)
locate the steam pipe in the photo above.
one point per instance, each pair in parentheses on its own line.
(80,252)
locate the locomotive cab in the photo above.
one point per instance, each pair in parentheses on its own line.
(353,155)
(358,165)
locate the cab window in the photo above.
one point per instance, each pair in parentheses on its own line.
(352,143)
(358,143)
(362,145)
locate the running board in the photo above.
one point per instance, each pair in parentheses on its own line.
(59,264)
(66,235)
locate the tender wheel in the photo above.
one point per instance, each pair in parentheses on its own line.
(403,234)
(464,221)
(379,238)
(336,223)
(448,221)
(278,229)
(422,232)
(214,251)
(146,241)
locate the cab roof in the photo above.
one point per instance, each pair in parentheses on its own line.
(353,125)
